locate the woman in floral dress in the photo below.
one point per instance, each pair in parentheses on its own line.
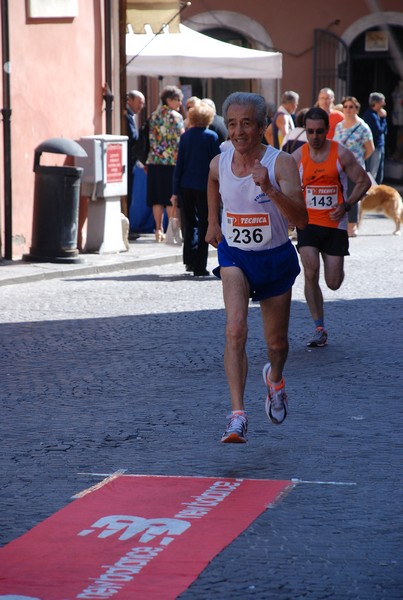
(166,128)
(356,135)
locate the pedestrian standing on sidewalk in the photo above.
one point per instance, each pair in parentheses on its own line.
(259,191)
(325,166)
(326,103)
(283,119)
(166,128)
(135,104)
(375,117)
(356,135)
(197,147)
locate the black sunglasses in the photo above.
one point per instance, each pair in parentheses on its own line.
(318,131)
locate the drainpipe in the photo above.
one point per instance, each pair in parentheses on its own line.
(108,95)
(6,112)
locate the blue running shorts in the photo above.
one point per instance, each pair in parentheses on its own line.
(269,272)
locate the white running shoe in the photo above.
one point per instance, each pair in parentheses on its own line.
(236,429)
(276,401)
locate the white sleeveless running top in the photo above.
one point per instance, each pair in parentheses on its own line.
(250,220)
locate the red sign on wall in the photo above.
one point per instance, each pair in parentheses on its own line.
(114,163)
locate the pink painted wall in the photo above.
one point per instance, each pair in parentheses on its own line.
(291,25)
(56,91)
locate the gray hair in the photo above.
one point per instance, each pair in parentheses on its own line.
(247,99)
(375,97)
(135,94)
(289,96)
(327,90)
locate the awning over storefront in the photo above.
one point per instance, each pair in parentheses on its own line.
(189,53)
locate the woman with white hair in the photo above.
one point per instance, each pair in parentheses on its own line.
(197,148)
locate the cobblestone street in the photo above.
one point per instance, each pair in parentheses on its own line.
(124,370)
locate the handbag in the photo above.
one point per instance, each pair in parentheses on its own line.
(173,235)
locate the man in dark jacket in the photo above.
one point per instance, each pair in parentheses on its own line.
(375,117)
(135,103)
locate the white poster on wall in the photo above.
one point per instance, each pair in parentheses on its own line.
(52,9)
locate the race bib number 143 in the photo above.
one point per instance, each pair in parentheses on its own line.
(321,198)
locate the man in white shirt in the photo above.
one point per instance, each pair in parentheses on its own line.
(282,121)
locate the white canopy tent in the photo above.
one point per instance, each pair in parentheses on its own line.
(192,54)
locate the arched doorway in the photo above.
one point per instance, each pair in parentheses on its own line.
(367,58)
(379,67)
(376,68)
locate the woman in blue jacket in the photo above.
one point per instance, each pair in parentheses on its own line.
(197,147)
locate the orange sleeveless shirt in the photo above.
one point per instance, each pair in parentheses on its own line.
(323,185)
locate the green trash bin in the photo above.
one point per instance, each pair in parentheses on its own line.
(56,205)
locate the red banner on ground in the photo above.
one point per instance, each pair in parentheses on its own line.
(145,537)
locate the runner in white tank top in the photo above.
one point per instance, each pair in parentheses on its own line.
(258,191)
(250,220)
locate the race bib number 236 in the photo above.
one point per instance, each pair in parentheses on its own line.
(248,231)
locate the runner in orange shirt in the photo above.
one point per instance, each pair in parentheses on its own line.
(324,166)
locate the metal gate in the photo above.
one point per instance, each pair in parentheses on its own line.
(331,64)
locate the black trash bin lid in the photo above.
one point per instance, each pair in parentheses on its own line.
(59,146)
